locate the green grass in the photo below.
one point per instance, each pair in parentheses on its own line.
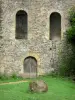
(58,89)
(10,80)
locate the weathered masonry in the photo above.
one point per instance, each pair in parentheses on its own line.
(32,35)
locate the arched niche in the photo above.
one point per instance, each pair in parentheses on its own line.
(21,25)
(55,26)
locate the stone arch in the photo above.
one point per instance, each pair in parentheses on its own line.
(55,26)
(30,66)
(21,24)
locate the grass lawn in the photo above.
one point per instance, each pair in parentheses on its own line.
(10,80)
(58,89)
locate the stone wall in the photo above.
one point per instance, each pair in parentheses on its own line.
(14,51)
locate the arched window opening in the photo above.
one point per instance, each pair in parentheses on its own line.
(21,25)
(55,26)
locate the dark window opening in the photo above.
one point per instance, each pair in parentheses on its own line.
(55,26)
(21,25)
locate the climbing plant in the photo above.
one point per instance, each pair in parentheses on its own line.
(68,58)
(71,30)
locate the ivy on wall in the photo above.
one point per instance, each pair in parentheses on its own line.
(71,30)
(67,66)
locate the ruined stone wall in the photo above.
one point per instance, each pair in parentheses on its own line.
(14,51)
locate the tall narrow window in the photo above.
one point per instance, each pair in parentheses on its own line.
(55,26)
(21,25)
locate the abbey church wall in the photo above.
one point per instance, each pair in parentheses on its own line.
(38,44)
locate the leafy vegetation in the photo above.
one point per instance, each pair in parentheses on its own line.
(68,57)
(71,31)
